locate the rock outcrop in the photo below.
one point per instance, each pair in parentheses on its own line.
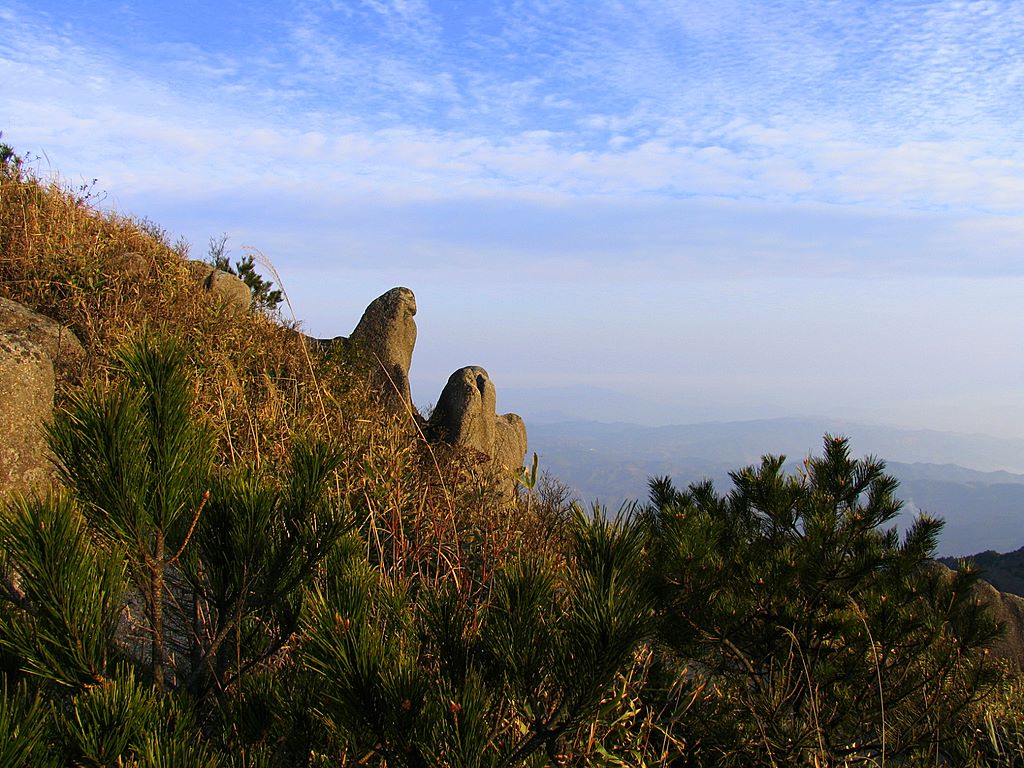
(229,289)
(1008,610)
(384,338)
(466,415)
(36,354)
(60,345)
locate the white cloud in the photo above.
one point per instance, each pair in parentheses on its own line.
(585,151)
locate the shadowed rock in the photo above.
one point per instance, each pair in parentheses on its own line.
(465,411)
(26,404)
(465,415)
(59,344)
(230,289)
(1008,610)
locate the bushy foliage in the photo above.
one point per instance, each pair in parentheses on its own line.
(830,635)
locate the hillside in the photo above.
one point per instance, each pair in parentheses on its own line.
(1003,571)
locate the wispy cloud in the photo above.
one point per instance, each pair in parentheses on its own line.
(857,105)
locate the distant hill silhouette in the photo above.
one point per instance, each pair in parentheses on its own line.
(1003,571)
(943,474)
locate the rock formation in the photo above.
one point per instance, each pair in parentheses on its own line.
(1008,610)
(229,289)
(36,355)
(466,415)
(384,338)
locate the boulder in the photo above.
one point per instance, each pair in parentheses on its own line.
(60,345)
(26,404)
(465,411)
(1008,610)
(465,415)
(384,338)
(229,289)
(510,441)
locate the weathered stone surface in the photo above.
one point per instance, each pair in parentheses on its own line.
(230,289)
(385,337)
(18,322)
(1009,610)
(510,441)
(465,415)
(465,411)
(26,404)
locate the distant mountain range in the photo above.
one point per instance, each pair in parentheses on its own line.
(974,482)
(1004,572)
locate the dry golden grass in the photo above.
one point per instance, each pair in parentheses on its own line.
(430,512)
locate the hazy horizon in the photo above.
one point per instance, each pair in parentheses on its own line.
(754,210)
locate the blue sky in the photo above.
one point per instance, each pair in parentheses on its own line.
(727,210)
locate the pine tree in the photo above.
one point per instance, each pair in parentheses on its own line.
(140,460)
(828,634)
(426,677)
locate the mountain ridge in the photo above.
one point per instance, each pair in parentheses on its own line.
(612,463)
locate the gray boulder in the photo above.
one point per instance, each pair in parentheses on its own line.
(60,345)
(384,338)
(229,289)
(1005,608)
(1008,610)
(465,415)
(465,411)
(509,441)
(26,404)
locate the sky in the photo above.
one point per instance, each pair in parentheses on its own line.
(657,212)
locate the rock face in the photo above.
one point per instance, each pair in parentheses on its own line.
(60,345)
(37,354)
(510,441)
(26,404)
(385,337)
(1009,610)
(466,415)
(227,288)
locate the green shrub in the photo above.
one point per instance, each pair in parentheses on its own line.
(830,637)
